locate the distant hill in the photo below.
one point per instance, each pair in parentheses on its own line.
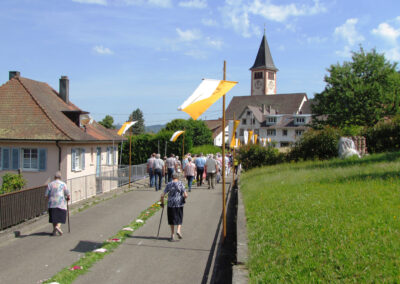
(154,128)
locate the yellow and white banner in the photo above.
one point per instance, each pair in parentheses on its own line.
(233,125)
(250,139)
(125,127)
(207,93)
(176,135)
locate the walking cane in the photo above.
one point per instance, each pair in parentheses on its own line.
(159,226)
(69,229)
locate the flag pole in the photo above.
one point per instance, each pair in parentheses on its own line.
(130,155)
(183,142)
(233,160)
(223,160)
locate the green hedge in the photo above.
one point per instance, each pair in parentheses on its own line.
(316,145)
(255,155)
(383,137)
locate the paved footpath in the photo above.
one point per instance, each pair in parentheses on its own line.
(141,258)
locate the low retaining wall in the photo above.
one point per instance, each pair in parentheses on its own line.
(239,271)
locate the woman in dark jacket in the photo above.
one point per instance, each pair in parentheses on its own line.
(176,199)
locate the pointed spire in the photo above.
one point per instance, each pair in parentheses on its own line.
(264,58)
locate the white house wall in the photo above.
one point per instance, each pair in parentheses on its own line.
(35,178)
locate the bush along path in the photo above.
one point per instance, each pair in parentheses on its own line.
(80,267)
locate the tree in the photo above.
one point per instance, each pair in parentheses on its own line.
(196,130)
(138,127)
(360,92)
(107,122)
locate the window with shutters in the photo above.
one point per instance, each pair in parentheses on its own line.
(33,159)
(111,156)
(77,159)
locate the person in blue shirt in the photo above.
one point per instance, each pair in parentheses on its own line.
(200,163)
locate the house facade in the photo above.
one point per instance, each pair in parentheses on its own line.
(42,131)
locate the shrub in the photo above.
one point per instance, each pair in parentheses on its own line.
(12,182)
(383,137)
(316,144)
(254,155)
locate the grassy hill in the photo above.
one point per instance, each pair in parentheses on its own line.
(332,221)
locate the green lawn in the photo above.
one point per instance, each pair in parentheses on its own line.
(333,221)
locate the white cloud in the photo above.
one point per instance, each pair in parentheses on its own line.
(349,33)
(216,43)
(316,40)
(188,35)
(209,22)
(281,13)
(393,54)
(160,3)
(387,32)
(237,13)
(157,3)
(236,16)
(196,4)
(346,52)
(197,54)
(98,2)
(99,49)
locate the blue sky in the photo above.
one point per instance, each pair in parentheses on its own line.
(152,54)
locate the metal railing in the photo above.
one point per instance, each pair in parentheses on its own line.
(16,207)
(19,206)
(108,178)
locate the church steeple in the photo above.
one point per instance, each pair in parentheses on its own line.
(264,58)
(263,71)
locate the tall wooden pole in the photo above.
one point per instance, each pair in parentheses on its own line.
(223,160)
(183,143)
(130,155)
(233,159)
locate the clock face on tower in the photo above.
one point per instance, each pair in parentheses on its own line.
(258,84)
(271,85)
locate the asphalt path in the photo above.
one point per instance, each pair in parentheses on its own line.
(142,258)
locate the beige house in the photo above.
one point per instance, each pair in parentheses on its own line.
(42,132)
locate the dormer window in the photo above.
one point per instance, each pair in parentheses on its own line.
(248,112)
(271,120)
(300,120)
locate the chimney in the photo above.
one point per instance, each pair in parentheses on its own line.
(13,74)
(64,89)
(262,108)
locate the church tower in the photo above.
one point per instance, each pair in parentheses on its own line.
(263,72)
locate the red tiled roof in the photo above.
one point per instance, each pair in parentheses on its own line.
(32,110)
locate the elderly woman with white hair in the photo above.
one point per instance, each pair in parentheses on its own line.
(58,196)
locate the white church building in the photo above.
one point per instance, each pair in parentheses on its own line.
(279,118)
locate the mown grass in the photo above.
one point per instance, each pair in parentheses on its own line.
(66,275)
(333,221)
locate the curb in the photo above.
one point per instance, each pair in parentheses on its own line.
(240,273)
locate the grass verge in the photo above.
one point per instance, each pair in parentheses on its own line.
(66,275)
(332,221)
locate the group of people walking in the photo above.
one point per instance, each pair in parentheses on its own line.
(193,168)
(197,168)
